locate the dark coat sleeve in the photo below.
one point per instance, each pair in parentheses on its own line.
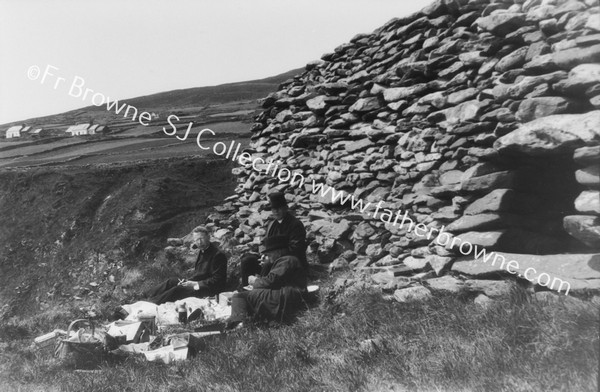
(278,276)
(219,274)
(297,238)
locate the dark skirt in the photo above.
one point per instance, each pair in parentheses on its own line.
(279,305)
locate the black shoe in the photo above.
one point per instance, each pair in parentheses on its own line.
(231,326)
(195,315)
(213,326)
(120,313)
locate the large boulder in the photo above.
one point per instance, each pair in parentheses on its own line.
(397,93)
(587,155)
(550,135)
(537,107)
(563,272)
(501,24)
(589,176)
(445,283)
(491,288)
(586,228)
(365,105)
(588,201)
(564,59)
(580,78)
(412,294)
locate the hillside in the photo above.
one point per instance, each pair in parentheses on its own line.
(227,109)
(244,93)
(213,95)
(62,230)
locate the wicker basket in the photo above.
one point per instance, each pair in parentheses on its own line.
(82,354)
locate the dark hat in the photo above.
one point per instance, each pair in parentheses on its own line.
(277,200)
(275,242)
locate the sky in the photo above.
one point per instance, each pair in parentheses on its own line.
(125,49)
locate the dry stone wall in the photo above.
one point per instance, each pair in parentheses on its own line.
(479,116)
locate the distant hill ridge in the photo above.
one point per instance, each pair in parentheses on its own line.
(177,99)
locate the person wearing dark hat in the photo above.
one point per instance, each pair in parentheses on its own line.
(283,223)
(278,294)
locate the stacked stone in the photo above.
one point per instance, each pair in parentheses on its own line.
(424,115)
(586,226)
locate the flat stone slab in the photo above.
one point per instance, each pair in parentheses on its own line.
(412,294)
(491,288)
(586,228)
(556,134)
(445,283)
(581,271)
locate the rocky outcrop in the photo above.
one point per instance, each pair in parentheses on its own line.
(464,116)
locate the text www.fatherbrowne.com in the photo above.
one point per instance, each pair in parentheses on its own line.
(77,89)
(401,219)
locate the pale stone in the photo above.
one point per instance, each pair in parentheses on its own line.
(445,283)
(451,177)
(490,181)
(501,200)
(579,271)
(484,221)
(397,93)
(588,201)
(512,60)
(501,24)
(483,300)
(365,105)
(491,288)
(438,263)
(589,176)
(553,134)
(338,264)
(463,112)
(537,107)
(412,294)
(318,104)
(586,228)
(587,155)
(359,145)
(580,78)
(415,263)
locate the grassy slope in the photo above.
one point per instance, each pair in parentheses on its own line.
(213,95)
(62,229)
(445,344)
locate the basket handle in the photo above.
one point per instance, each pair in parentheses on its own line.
(87,321)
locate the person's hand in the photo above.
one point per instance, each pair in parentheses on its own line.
(251,280)
(264,261)
(188,283)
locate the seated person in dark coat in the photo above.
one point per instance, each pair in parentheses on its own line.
(277,295)
(209,278)
(284,223)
